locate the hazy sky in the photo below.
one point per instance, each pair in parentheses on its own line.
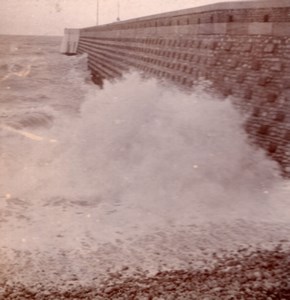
(50,17)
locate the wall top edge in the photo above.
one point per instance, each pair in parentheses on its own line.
(71,30)
(222,6)
(258,4)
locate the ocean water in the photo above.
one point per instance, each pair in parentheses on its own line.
(137,165)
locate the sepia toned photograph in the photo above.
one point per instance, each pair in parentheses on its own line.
(145,149)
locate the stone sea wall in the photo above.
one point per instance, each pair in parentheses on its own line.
(243,48)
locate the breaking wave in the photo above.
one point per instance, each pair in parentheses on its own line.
(142,144)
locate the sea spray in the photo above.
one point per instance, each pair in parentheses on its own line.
(145,146)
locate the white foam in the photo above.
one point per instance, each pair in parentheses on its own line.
(153,148)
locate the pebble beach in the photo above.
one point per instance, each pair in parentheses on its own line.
(126,193)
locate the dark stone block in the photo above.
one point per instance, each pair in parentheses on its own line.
(212,45)
(272,97)
(248,94)
(264,130)
(227,92)
(287,135)
(270,48)
(246,48)
(256,112)
(286,84)
(230,18)
(256,65)
(266,18)
(277,66)
(272,148)
(233,63)
(280,116)
(192,58)
(212,62)
(241,78)
(228,46)
(264,80)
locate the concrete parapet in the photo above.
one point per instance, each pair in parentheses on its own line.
(70,41)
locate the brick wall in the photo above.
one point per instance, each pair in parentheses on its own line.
(242,48)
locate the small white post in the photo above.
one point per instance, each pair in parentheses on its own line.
(118,10)
(97,12)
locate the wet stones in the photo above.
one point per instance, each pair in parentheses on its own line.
(243,274)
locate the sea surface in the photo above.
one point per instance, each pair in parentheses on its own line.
(137,172)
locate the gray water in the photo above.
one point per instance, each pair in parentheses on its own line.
(124,170)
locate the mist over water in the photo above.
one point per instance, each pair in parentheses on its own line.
(144,146)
